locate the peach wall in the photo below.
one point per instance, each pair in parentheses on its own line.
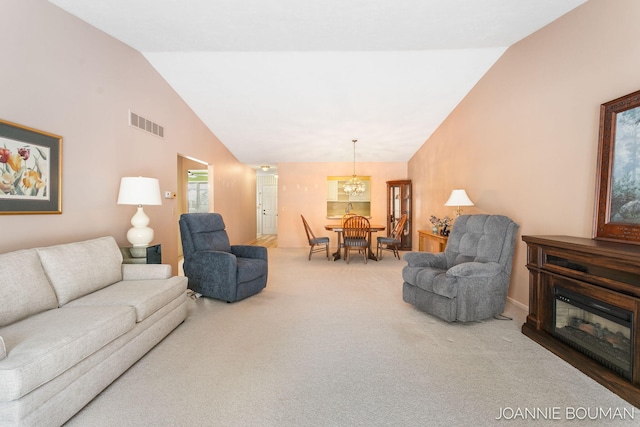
(302,190)
(523,143)
(62,76)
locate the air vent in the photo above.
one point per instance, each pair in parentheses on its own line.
(146,125)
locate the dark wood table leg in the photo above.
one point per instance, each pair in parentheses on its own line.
(336,254)
(372,255)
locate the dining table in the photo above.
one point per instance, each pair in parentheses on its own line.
(338,228)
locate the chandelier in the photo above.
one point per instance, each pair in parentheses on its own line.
(354,186)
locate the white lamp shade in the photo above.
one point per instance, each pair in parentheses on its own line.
(459,198)
(139,191)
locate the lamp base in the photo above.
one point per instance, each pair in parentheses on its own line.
(138,251)
(140,235)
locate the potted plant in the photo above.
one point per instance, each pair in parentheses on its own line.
(438,223)
(435,221)
(445,223)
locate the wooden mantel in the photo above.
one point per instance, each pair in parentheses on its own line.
(603,270)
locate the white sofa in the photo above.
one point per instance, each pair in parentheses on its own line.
(72,319)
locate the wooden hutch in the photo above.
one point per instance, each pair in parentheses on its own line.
(398,203)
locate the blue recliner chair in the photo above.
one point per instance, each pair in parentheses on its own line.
(215,268)
(470,279)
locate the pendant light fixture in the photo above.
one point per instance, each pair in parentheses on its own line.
(354,186)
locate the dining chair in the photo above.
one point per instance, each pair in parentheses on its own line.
(344,218)
(347,216)
(315,243)
(393,241)
(356,230)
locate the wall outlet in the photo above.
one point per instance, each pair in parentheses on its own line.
(169,195)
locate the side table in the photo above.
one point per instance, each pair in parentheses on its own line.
(428,234)
(142,255)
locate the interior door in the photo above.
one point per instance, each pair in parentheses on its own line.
(270,209)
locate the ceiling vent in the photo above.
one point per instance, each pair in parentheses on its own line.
(146,125)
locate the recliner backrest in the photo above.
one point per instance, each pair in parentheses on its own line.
(481,238)
(203,232)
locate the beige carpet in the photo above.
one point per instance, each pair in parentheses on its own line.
(331,344)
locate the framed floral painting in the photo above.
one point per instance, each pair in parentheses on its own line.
(30,170)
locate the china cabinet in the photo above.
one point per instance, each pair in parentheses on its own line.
(398,203)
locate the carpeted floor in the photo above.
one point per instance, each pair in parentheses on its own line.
(331,344)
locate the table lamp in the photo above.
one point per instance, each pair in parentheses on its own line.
(459,198)
(139,191)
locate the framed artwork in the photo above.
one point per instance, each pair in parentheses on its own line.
(618,180)
(30,170)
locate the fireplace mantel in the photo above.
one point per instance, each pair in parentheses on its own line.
(602,270)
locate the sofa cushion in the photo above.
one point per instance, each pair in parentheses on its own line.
(434,280)
(43,346)
(77,269)
(145,296)
(24,287)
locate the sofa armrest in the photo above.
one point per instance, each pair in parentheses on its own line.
(475,269)
(145,271)
(426,259)
(3,349)
(247,251)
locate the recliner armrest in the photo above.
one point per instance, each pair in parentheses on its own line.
(218,266)
(426,259)
(213,256)
(248,251)
(475,269)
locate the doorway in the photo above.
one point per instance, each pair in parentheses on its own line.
(267,215)
(197,190)
(194,192)
(269,209)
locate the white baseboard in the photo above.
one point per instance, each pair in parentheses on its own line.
(518,304)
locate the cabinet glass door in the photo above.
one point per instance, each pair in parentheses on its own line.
(396,205)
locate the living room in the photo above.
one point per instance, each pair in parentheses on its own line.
(536,110)
(523,142)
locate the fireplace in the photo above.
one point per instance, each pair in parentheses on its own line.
(584,306)
(600,330)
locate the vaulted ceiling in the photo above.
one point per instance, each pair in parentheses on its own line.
(297,81)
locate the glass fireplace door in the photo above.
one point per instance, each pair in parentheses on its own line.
(595,328)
